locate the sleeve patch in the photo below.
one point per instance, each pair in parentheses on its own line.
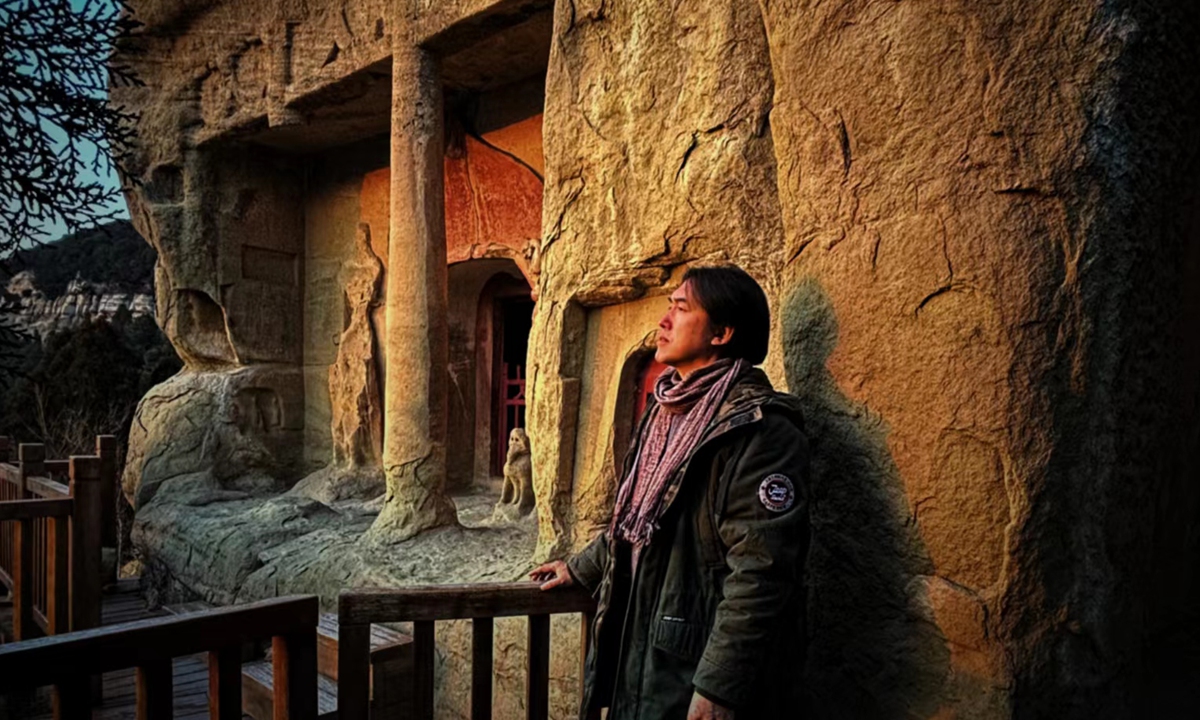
(777,493)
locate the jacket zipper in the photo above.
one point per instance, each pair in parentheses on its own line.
(728,425)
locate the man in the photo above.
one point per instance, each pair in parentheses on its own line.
(699,575)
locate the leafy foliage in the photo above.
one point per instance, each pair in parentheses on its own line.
(54,77)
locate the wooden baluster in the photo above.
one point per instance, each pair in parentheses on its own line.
(85,542)
(37,557)
(481,668)
(71,700)
(294,671)
(41,562)
(58,595)
(225,684)
(85,589)
(423,650)
(537,669)
(7,529)
(155,691)
(106,450)
(31,462)
(22,577)
(354,671)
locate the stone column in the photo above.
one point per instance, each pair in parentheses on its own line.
(414,432)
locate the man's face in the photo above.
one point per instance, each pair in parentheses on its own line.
(685,340)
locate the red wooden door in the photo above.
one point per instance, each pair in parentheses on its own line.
(647,376)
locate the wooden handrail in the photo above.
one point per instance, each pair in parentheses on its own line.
(36,508)
(56,467)
(10,473)
(67,661)
(456,602)
(357,609)
(51,536)
(47,488)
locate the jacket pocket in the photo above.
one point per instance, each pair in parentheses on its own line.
(678,637)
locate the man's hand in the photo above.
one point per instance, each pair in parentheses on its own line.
(551,575)
(704,709)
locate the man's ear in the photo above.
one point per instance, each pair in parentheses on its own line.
(723,337)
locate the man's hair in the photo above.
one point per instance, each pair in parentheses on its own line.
(733,299)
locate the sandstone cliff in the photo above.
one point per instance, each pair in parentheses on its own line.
(977,224)
(82,302)
(93,274)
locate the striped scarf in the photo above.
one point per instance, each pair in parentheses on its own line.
(683,411)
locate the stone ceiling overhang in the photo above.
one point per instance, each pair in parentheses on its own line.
(485,49)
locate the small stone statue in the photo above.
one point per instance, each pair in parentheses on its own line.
(516,497)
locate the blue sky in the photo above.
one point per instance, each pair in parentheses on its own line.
(109,178)
(90,152)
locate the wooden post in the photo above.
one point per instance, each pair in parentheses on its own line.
(71,700)
(85,542)
(31,460)
(537,669)
(423,649)
(294,671)
(225,684)
(22,577)
(354,671)
(482,639)
(155,691)
(58,576)
(106,450)
(5,449)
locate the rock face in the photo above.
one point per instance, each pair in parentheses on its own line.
(978,226)
(230,427)
(82,302)
(951,246)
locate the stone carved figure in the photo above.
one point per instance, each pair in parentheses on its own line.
(356,402)
(354,394)
(516,497)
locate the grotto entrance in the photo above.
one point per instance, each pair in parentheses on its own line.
(493,205)
(513,318)
(489,314)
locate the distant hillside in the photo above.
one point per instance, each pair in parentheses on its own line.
(113,255)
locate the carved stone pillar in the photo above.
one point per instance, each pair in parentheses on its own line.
(414,450)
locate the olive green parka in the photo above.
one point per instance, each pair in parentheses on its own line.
(716,604)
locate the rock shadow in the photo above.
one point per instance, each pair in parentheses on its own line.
(873,651)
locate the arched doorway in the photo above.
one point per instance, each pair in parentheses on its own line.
(512,318)
(489,315)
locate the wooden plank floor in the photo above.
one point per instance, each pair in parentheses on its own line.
(122,605)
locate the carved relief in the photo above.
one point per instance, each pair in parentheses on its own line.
(354,391)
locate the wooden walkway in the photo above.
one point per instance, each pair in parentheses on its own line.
(123,605)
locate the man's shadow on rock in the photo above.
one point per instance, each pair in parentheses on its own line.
(872,650)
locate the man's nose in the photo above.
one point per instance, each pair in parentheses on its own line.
(665,323)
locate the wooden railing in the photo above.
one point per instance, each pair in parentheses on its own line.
(68,662)
(423,606)
(51,533)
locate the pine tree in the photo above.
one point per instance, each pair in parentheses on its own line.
(59,133)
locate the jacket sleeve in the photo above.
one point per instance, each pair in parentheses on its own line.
(587,567)
(764,541)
